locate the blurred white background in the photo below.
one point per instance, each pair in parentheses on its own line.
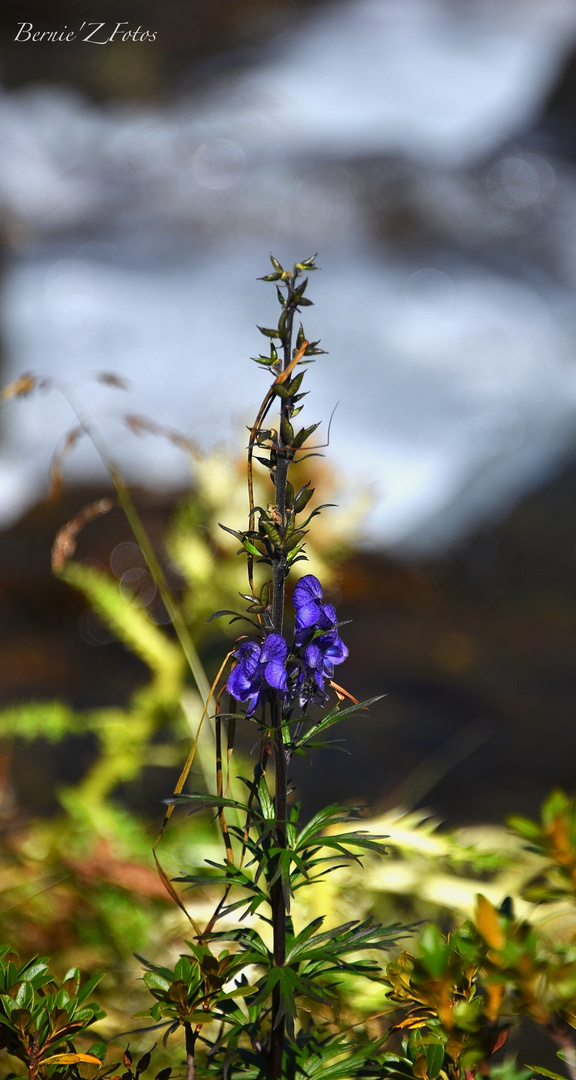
(409,143)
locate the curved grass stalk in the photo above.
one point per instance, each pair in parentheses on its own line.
(142,539)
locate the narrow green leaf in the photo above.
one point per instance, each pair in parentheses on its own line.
(302,435)
(287,432)
(545,1072)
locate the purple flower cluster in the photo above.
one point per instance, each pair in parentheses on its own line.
(298,674)
(259,668)
(316,638)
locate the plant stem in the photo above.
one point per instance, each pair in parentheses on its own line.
(279,571)
(277,898)
(190,1051)
(33,1056)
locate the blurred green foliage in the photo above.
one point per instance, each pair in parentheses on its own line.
(83,884)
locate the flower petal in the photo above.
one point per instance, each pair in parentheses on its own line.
(239,683)
(254,701)
(308,588)
(274,648)
(275,675)
(313,657)
(336,651)
(307,615)
(329,617)
(249,655)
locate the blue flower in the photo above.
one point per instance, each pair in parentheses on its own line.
(311,614)
(316,637)
(268,666)
(260,668)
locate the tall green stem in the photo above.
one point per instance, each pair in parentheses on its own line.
(191,1037)
(277,897)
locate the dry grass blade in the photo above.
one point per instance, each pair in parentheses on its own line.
(64,544)
(220,783)
(190,759)
(56,475)
(108,378)
(177,790)
(20,387)
(140,424)
(174,895)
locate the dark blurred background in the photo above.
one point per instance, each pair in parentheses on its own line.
(427,151)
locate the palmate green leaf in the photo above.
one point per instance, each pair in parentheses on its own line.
(364,840)
(128,622)
(294,941)
(333,717)
(328,867)
(301,870)
(353,1062)
(348,938)
(235,876)
(313,833)
(253,844)
(251,905)
(291,985)
(254,948)
(317,1054)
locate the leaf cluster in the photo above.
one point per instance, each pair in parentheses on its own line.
(553,838)
(315,1052)
(193,992)
(459,991)
(311,850)
(314,957)
(40,1019)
